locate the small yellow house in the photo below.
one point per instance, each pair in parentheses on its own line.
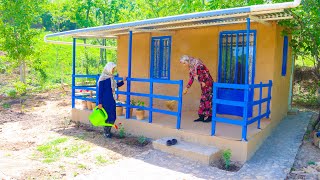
(245,51)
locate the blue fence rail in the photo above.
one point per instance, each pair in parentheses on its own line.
(149,95)
(244,104)
(152,96)
(90,88)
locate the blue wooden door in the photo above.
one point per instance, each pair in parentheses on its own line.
(232,68)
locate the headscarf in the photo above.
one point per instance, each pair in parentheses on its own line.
(107,74)
(193,63)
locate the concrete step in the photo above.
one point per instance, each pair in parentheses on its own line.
(196,152)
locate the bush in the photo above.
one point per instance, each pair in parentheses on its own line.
(12,93)
(142,140)
(21,88)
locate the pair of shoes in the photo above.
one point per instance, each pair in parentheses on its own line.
(201,118)
(172,142)
(209,119)
(108,136)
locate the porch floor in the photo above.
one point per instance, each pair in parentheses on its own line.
(227,131)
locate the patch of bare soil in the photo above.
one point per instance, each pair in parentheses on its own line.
(39,141)
(233,167)
(307,162)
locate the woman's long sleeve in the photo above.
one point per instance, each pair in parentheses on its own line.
(119,84)
(191,79)
(101,84)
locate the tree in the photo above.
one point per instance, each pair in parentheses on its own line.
(17,36)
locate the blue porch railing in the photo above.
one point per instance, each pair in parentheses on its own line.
(90,88)
(151,96)
(244,104)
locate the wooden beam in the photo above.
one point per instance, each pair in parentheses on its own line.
(255,18)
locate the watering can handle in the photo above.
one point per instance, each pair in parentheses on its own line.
(103,110)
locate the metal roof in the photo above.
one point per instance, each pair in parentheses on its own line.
(258,13)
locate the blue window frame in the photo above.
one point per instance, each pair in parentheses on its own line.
(284,55)
(234,68)
(160,57)
(232,57)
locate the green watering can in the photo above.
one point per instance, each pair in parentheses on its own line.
(98,117)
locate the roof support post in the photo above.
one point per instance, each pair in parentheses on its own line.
(73,70)
(129,75)
(247,51)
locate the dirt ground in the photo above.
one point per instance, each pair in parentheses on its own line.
(38,140)
(307,162)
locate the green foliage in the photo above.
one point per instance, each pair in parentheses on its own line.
(101,160)
(304,29)
(12,93)
(226,157)
(141,104)
(6,105)
(122,132)
(142,140)
(20,88)
(16,34)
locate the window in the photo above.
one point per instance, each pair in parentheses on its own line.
(284,56)
(160,57)
(232,57)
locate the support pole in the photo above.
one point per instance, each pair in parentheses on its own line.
(73,70)
(129,75)
(247,51)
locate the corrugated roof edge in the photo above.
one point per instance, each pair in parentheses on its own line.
(157,20)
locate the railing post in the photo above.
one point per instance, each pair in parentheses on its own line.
(180,104)
(73,71)
(151,101)
(129,76)
(260,97)
(269,98)
(214,111)
(245,113)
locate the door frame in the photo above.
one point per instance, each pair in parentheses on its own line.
(236,94)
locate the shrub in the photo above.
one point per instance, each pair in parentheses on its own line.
(142,140)
(12,93)
(226,157)
(122,132)
(21,88)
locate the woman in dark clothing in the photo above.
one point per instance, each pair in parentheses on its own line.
(107,86)
(198,71)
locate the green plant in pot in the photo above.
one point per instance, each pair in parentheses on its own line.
(140,112)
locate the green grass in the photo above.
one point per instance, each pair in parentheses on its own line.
(58,148)
(82,166)
(6,105)
(101,160)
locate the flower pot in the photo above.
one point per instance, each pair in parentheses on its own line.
(140,114)
(119,110)
(84,104)
(89,106)
(93,105)
(131,110)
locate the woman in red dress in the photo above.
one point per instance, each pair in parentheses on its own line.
(198,71)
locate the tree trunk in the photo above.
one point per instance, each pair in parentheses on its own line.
(23,72)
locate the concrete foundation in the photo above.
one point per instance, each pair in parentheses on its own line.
(227,136)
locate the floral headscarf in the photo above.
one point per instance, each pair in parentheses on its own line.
(193,63)
(107,74)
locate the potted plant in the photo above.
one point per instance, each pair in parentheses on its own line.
(89,105)
(133,103)
(119,109)
(140,111)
